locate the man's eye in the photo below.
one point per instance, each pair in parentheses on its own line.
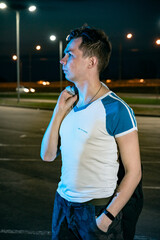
(69,54)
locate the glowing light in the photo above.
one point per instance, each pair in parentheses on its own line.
(32,90)
(3,5)
(14,57)
(158,41)
(129,35)
(141,80)
(26,90)
(52,37)
(38,47)
(108,81)
(32,8)
(44,83)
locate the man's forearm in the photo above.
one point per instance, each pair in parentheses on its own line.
(49,146)
(124,192)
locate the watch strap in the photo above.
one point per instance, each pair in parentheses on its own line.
(108,214)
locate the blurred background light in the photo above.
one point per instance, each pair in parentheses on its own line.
(32,8)
(14,57)
(52,37)
(129,35)
(38,47)
(3,5)
(158,41)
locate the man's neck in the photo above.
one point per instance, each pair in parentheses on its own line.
(89,92)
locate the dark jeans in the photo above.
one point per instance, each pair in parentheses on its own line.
(78,221)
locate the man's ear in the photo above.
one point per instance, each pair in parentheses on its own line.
(93,61)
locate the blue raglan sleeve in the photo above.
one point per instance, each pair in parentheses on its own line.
(120,118)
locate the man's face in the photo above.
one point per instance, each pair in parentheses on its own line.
(74,63)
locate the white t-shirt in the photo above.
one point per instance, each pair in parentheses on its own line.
(89,150)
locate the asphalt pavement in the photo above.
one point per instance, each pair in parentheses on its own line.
(28,185)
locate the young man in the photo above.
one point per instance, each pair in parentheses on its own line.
(91,127)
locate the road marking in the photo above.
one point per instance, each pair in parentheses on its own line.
(22,159)
(28,232)
(148,147)
(23,136)
(137,237)
(44,233)
(151,187)
(19,145)
(150,161)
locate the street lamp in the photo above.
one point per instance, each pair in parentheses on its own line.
(3,5)
(14,57)
(53,38)
(129,35)
(17,7)
(158,41)
(38,47)
(32,8)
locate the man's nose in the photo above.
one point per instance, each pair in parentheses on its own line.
(63,60)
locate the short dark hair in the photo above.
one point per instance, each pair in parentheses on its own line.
(94,43)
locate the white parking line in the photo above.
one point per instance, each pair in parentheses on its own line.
(44,233)
(151,162)
(22,159)
(28,232)
(23,136)
(151,187)
(150,147)
(137,237)
(18,145)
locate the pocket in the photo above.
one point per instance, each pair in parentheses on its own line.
(114,229)
(116,225)
(97,210)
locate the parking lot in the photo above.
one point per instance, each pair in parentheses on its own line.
(28,184)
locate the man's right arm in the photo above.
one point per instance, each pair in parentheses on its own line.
(49,146)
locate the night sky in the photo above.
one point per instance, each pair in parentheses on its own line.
(140,55)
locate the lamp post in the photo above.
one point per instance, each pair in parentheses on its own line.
(53,38)
(128,36)
(18,52)
(17,7)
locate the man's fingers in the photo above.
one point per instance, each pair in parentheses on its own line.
(65,102)
(70,101)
